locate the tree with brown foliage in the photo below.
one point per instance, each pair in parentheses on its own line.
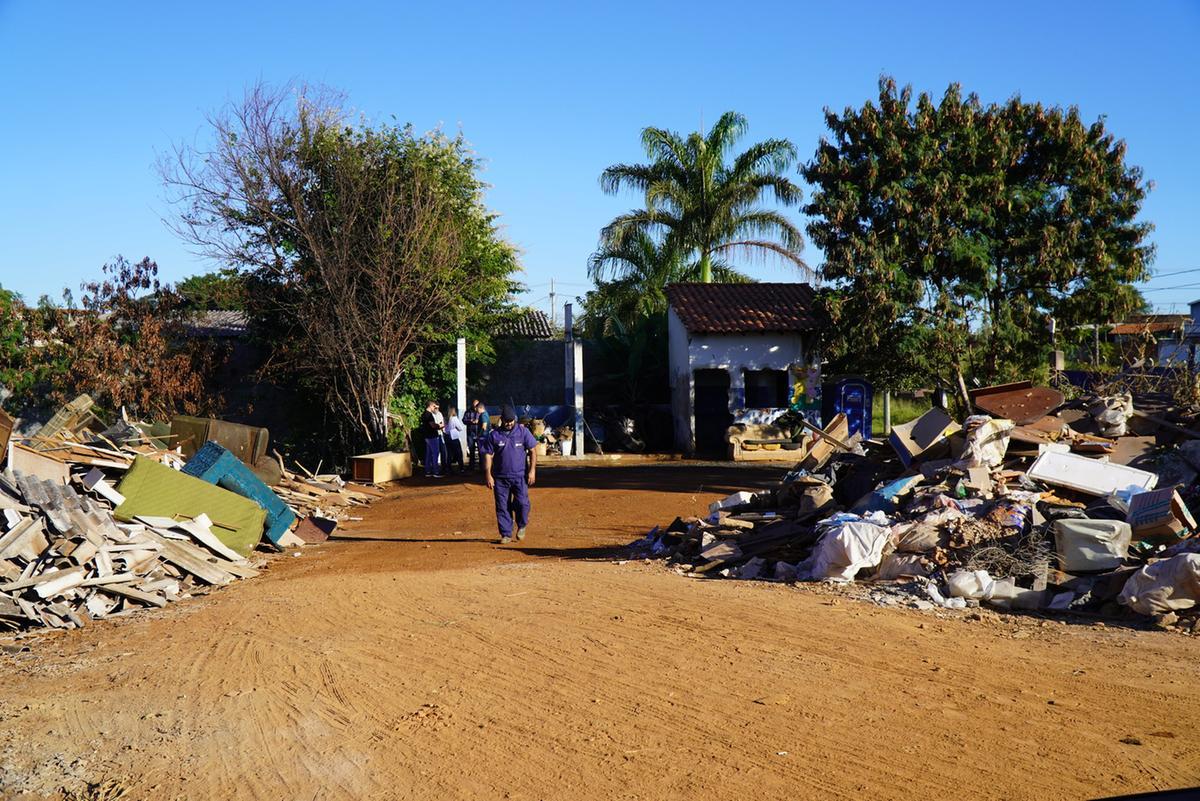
(125,344)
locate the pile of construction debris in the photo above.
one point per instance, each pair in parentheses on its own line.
(1012,508)
(100,520)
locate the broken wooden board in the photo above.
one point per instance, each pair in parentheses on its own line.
(199,530)
(191,560)
(125,591)
(26,541)
(32,463)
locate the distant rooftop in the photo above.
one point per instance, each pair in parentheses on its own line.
(745,308)
(525,324)
(217,323)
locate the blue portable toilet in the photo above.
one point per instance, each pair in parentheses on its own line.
(851,395)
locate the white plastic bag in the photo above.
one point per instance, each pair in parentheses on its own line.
(1112,414)
(736,499)
(987,442)
(980,586)
(1166,585)
(846,549)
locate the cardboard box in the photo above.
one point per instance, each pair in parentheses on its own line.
(927,437)
(1160,515)
(378,468)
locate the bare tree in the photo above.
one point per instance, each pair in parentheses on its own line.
(350,238)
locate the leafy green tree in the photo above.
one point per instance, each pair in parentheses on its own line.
(954,231)
(15,375)
(367,249)
(224,289)
(706,208)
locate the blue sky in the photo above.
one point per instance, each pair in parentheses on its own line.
(549,94)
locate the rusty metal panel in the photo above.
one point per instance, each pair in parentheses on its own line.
(1021,402)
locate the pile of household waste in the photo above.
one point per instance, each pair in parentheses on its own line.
(98,520)
(1028,513)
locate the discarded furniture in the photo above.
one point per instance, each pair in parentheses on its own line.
(1093,476)
(154,489)
(216,465)
(381,467)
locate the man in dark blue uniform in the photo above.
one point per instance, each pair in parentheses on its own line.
(510,468)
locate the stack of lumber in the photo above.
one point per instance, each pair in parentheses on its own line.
(327,496)
(65,561)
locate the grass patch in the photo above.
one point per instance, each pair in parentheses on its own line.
(903,410)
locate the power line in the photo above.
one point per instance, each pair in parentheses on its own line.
(1175,272)
(1167,288)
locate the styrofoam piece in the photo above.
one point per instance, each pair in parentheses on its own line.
(1093,476)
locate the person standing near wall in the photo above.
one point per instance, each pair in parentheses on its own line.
(472,420)
(441,424)
(453,437)
(510,469)
(431,429)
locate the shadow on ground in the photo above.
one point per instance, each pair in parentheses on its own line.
(690,477)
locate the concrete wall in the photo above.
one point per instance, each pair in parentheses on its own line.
(735,353)
(525,371)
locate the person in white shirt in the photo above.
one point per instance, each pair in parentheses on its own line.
(440,422)
(453,437)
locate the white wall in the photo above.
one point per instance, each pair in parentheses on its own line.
(680,380)
(740,352)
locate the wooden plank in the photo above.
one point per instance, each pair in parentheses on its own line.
(26,541)
(197,530)
(57,577)
(187,557)
(125,591)
(242,570)
(1167,424)
(116,578)
(37,465)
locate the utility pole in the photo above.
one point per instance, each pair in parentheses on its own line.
(553,316)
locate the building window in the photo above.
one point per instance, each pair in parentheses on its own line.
(766,389)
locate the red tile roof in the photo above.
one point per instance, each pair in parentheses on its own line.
(745,308)
(1143,328)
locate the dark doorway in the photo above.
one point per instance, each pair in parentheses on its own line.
(711,411)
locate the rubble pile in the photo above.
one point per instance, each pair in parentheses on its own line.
(1016,514)
(99,521)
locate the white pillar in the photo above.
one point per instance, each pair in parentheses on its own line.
(461,397)
(577,382)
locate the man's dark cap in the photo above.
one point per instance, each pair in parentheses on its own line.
(507,414)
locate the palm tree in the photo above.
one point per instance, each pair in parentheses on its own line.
(631,276)
(704,207)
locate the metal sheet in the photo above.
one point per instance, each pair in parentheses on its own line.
(1021,402)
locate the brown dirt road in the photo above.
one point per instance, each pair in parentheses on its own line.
(420,661)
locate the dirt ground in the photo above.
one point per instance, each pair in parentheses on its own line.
(416,659)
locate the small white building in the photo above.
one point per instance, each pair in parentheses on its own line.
(735,347)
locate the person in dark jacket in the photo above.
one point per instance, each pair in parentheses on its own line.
(510,469)
(475,418)
(431,429)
